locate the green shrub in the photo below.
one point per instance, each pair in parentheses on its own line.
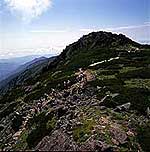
(138,97)
(81,133)
(144,137)
(22,143)
(43,125)
(141,73)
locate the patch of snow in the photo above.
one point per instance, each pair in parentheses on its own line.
(111,59)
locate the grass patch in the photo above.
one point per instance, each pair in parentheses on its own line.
(22,143)
(43,125)
(82,133)
(103,77)
(127,69)
(144,137)
(138,83)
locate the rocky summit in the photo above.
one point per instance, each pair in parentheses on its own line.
(94,96)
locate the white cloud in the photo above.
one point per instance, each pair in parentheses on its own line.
(145,25)
(28,9)
(48,31)
(129,27)
(53,41)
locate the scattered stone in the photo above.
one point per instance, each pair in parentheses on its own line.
(1,127)
(148,112)
(118,134)
(58,141)
(113,95)
(102,107)
(123,107)
(130,133)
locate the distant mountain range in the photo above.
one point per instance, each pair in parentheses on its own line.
(7,66)
(24,71)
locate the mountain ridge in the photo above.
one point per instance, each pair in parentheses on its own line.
(93,96)
(41,61)
(107,38)
(7,66)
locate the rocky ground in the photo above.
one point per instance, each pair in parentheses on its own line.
(73,119)
(108,110)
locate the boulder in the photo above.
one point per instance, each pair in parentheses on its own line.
(1,127)
(123,107)
(58,141)
(94,145)
(148,111)
(118,134)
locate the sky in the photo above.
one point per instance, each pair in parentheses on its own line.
(29,27)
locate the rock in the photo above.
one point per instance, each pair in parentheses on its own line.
(103,99)
(99,88)
(58,141)
(17,134)
(75,97)
(123,107)
(113,95)
(104,121)
(94,145)
(102,107)
(17,122)
(118,134)
(130,133)
(66,94)
(148,111)
(79,124)
(1,127)
(114,141)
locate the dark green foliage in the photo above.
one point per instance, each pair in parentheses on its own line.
(88,57)
(8,109)
(143,73)
(21,143)
(1,128)
(44,124)
(33,96)
(53,83)
(138,97)
(107,72)
(12,95)
(81,133)
(16,122)
(36,135)
(144,137)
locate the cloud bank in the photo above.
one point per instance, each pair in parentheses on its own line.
(144,26)
(28,9)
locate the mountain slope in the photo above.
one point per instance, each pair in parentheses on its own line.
(107,111)
(7,66)
(24,72)
(5,69)
(93,44)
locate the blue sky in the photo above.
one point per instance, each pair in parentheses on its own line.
(47,26)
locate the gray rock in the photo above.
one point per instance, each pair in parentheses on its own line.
(118,134)
(102,107)
(123,107)
(148,111)
(58,141)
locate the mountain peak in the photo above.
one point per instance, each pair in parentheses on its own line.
(105,39)
(95,43)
